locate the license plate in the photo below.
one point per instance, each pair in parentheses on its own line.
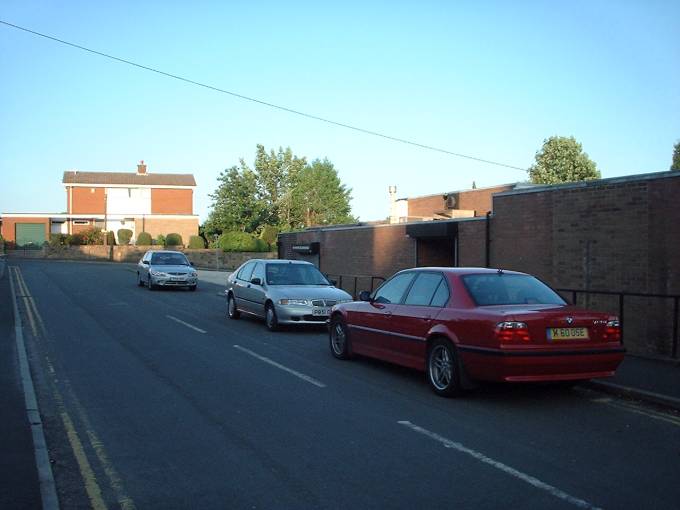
(567,333)
(322,312)
(177,279)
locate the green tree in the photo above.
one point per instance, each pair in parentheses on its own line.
(236,205)
(675,165)
(561,159)
(319,198)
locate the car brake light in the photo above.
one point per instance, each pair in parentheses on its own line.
(612,330)
(512,331)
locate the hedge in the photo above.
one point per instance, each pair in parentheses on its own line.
(196,243)
(173,239)
(143,239)
(241,241)
(110,238)
(124,236)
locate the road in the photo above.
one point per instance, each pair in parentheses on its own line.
(154,399)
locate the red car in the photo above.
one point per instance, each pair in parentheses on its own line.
(459,325)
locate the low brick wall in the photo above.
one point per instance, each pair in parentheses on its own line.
(206,259)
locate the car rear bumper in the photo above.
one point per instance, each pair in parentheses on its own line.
(530,366)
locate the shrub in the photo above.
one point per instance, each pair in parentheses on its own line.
(74,240)
(196,242)
(269,234)
(110,238)
(57,240)
(261,245)
(237,241)
(92,236)
(124,236)
(160,240)
(143,239)
(173,239)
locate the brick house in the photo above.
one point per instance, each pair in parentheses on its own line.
(138,201)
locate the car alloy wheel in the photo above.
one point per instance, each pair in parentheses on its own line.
(442,369)
(270,318)
(149,283)
(140,283)
(232,311)
(339,339)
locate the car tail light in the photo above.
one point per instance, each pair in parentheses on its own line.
(612,331)
(507,332)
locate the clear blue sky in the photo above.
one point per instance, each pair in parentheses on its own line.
(489,79)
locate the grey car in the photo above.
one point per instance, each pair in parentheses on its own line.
(282,292)
(164,268)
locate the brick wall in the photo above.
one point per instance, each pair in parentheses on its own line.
(472,243)
(171,201)
(87,201)
(186,227)
(478,200)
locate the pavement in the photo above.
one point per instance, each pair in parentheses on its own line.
(653,381)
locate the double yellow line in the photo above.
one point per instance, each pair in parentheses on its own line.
(92,487)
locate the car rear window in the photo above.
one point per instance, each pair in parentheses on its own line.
(509,289)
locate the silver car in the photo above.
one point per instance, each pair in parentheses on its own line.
(282,292)
(166,269)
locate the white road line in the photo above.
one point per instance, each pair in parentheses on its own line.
(302,376)
(185,324)
(554,491)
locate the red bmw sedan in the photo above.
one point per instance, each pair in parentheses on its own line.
(459,325)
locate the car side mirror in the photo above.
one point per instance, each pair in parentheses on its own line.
(145,262)
(256,281)
(334,283)
(191,263)
(364,295)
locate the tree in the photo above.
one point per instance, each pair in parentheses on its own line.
(319,198)
(236,204)
(562,159)
(675,165)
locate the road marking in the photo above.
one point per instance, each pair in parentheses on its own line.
(29,303)
(300,375)
(48,490)
(554,491)
(631,408)
(91,485)
(186,324)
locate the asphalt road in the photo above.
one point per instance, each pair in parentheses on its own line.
(157,400)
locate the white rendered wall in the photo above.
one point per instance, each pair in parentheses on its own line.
(128,201)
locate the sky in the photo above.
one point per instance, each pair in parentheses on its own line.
(487,79)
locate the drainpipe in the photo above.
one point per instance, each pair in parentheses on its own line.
(70,209)
(488,238)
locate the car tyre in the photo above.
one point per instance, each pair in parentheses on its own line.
(270,318)
(140,283)
(442,369)
(232,311)
(192,288)
(338,336)
(149,283)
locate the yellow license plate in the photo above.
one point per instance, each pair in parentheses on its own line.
(567,333)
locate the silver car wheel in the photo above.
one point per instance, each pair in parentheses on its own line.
(441,367)
(270,318)
(338,339)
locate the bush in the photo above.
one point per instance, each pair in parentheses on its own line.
(74,240)
(173,239)
(196,242)
(143,239)
(92,236)
(269,234)
(160,240)
(124,236)
(110,238)
(261,245)
(237,241)
(57,240)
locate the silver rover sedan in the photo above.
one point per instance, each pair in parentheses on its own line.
(282,292)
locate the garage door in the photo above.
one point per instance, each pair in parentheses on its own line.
(30,235)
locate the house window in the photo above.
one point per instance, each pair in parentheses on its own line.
(81,222)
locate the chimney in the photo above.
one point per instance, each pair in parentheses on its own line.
(141,168)
(394,218)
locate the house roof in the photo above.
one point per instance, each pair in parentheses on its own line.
(130,178)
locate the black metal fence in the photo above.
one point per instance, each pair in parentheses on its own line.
(621,302)
(350,282)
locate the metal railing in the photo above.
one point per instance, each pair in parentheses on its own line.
(621,297)
(344,278)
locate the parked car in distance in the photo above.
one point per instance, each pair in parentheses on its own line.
(164,268)
(459,325)
(282,292)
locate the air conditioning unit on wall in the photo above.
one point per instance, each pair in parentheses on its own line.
(450,201)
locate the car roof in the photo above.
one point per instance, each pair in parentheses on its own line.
(165,251)
(282,261)
(461,271)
